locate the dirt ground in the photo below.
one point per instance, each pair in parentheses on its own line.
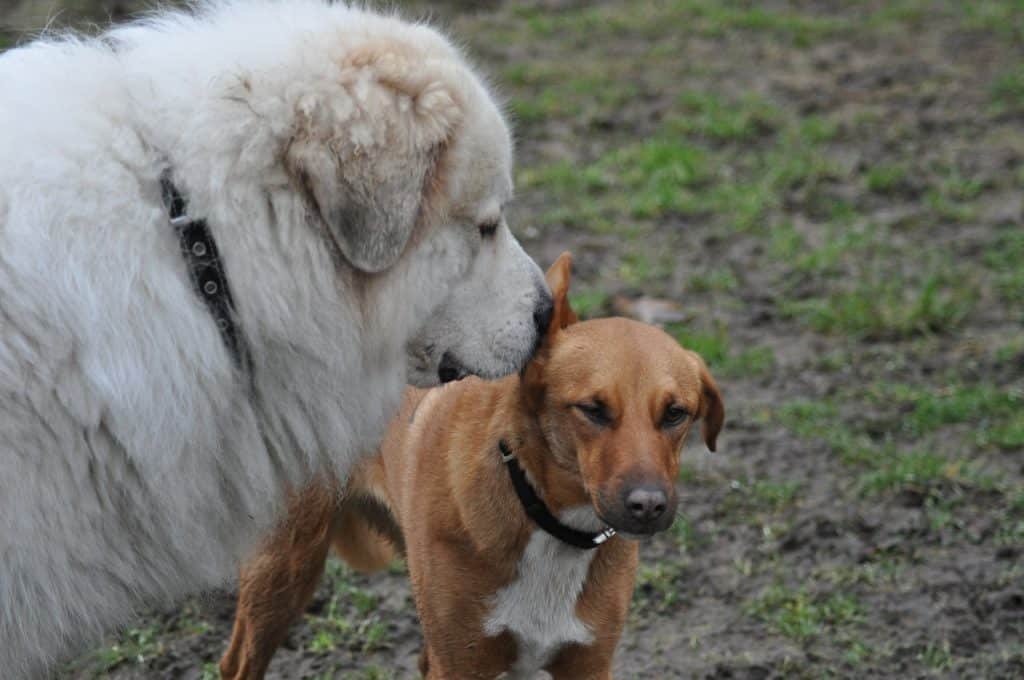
(824,198)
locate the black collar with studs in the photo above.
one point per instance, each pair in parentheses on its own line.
(205,269)
(539,512)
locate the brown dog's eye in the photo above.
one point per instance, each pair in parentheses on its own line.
(674,415)
(488,229)
(595,412)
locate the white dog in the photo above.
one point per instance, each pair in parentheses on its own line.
(349,169)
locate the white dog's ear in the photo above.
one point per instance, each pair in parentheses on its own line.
(368,157)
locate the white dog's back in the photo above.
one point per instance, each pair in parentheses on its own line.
(137,463)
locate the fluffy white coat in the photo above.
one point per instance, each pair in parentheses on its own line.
(137,463)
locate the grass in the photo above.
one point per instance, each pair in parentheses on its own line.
(657,18)
(369,673)
(755,501)
(589,303)
(656,171)
(637,268)
(699,163)
(1004,258)
(686,535)
(774,495)
(821,420)
(802,615)
(658,585)
(936,656)
(918,469)
(838,244)
(994,412)
(708,116)
(888,306)
(137,645)
(1008,89)
(641,181)
(886,178)
(716,349)
(349,619)
(715,281)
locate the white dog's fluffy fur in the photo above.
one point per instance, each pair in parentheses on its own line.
(346,162)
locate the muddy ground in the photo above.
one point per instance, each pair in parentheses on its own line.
(830,193)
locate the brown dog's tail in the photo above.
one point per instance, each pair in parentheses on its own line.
(366,536)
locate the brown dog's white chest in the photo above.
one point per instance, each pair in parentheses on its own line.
(538,608)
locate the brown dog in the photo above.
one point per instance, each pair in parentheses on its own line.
(596,423)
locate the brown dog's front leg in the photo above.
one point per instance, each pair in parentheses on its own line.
(277,584)
(578,662)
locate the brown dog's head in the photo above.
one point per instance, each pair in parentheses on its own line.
(615,399)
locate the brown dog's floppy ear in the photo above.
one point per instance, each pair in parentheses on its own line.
(711,406)
(557,277)
(369,176)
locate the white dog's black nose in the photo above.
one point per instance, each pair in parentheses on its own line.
(450,369)
(542,314)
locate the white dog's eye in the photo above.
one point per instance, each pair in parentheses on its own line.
(488,229)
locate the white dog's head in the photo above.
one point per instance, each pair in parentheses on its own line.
(407,165)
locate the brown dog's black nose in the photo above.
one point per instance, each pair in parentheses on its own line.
(646,503)
(542,314)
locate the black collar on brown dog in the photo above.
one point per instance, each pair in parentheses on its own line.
(539,512)
(205,268)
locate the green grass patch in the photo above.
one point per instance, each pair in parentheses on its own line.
(656,171)
(656,18)
(802,615)
(817,129)
(839,245)
(717,18)
(888,307)
(715,348)
(1006,258)
(715,281)
(994,412)
(140,645)
(857,652)
(637,268)
(637,181)
(658,585)
(135,646)
(886,178)
(589,303)
(936,656)
(349,620)
(546,90)
(820,419)
(707,115)
(369,673)
(808,418)
(1002,18)
(1008,88)
(952,197)
(698,164)
(774,495)
(1011,532)
(753,499)
(685,533)
(1008,435)
(544,106)
(921,470)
